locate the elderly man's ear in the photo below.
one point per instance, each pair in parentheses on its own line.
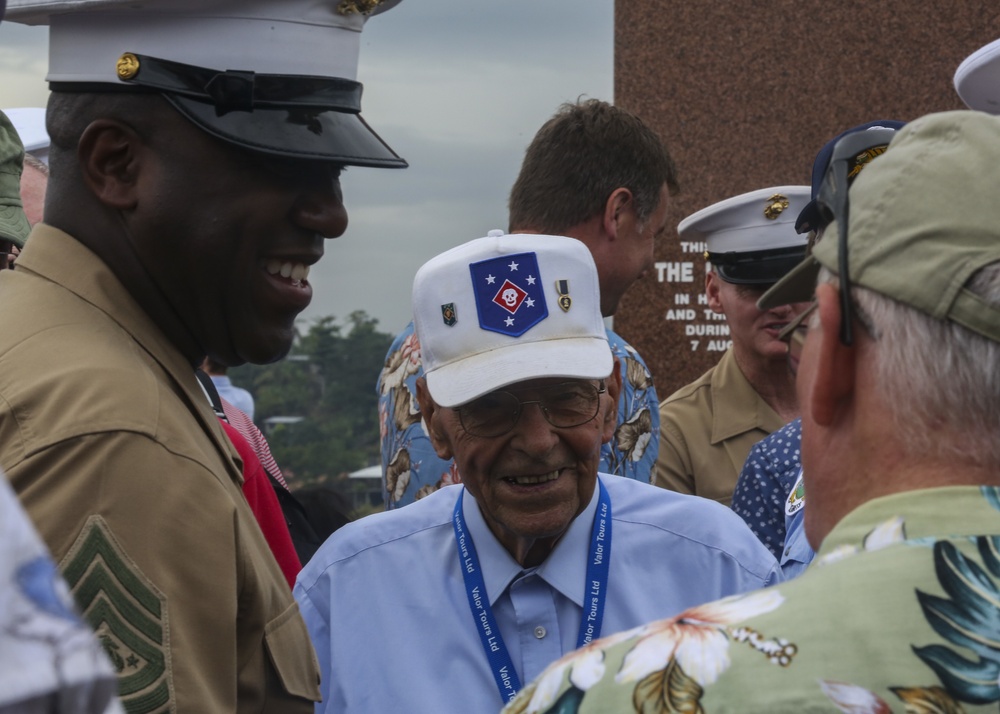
(831,390)
(433,415)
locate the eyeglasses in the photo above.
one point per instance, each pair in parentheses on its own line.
(564,406)
(849,156)
(794,336)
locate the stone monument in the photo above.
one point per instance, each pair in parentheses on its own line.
(745,94)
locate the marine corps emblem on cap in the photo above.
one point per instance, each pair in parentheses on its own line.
(127,66)
(509,294)
(776,204)
(448,314)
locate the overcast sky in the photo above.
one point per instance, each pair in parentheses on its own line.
(456,88)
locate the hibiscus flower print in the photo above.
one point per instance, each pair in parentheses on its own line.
(633,436)
(670,660)
(397,475)
(401,364)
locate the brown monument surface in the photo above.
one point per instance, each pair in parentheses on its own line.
(745,94)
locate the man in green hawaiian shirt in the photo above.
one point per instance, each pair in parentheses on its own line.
(900,393)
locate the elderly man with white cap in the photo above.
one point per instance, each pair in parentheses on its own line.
(900,393)
(459,597)
(708,427)
(196,156)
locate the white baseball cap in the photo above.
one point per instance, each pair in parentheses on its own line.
(977,79)
(505,309)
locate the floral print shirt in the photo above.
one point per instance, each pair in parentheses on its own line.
(411,469)
(900,612)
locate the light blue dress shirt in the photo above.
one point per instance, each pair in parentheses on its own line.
(386,606)
(237,396)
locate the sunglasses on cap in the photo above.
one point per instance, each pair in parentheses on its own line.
(850,155)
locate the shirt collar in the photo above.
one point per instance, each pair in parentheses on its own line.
(952,511)
(744,410)
(565,569)
(58,257)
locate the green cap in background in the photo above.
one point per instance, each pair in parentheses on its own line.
(13,223)
(923,219)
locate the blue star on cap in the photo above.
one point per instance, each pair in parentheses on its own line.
(509,297)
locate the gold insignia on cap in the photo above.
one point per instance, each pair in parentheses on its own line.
(362,7)
(565,301)
(448,314)
(776,204)
(127,66)
(862,160)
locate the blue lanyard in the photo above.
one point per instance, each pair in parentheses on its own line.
(595,592)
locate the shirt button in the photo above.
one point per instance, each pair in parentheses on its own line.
(539,632)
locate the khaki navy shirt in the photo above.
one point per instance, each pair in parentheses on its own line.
(117,456)
(707,429)
(898,613)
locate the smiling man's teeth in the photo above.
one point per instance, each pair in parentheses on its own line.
(287,269)
(529,480)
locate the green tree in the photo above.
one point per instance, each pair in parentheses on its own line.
(328,380)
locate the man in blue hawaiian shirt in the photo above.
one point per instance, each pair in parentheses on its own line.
(618,212)
(900,392)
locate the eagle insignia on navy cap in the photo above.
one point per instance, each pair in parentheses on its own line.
(776,204)
(358,7)
(863,159)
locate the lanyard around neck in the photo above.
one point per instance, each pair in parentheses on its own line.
(595,592)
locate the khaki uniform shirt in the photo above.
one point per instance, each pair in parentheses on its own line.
(898,613)
(707,429)
(116,454)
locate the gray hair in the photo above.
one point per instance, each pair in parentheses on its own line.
(939,380)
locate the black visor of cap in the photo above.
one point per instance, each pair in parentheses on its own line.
(760,267)
(294,116)
(327,135)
